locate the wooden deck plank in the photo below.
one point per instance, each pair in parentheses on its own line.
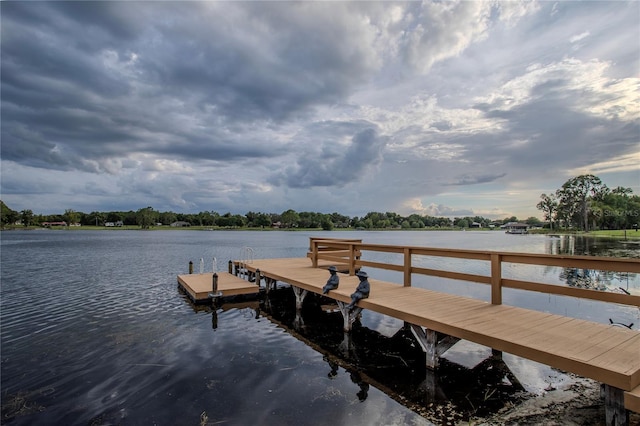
(572,339)
(514,322)
(621,357)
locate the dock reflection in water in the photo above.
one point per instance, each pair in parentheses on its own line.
(394,365)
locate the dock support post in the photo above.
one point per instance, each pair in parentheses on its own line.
(428,341)
(215,294)
(298,321)
(258,277)
(269,284)
(300,295)
(615,413)
(429,384)
(230,267)
(346,346)
(190,267)
(348,315)
(214,319)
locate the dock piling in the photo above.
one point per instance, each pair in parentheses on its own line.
(615,411)
(190,267)
(348,315)
(300,294)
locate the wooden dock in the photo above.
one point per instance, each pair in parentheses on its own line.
(199,287)
(603,352)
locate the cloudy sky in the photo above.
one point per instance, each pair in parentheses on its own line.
(444,108)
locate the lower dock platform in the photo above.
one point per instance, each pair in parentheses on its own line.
(200,286)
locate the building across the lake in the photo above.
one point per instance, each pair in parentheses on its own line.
(180,224)
(51,224)
(515,228)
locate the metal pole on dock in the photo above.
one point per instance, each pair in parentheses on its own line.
(190,267)
(231,267)
(215,283)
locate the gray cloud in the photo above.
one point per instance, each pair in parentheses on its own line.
(241,106)
(476,179)
(333,163)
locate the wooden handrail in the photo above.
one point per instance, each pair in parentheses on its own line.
(349,251)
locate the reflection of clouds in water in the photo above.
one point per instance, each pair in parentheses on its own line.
(277,379)
(467,354)
(385,325)
(536,378)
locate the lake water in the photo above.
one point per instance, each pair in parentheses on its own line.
(95,331)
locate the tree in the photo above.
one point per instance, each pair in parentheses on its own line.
(533,221)
(167,218)
(290,218)
(146,217)
(509,219)
(549,207)
(326,224)
(574,197)
(27,217)
(617,206)
(71,216)
(115,216)
(9,216)
(95,218)
(258,219)
(461,222)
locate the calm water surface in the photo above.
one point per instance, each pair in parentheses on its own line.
(95,331)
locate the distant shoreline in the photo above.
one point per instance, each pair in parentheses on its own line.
(631,234)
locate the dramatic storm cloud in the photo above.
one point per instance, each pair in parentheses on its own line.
(441,108)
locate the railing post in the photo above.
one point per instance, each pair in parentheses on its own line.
(352,259)
(496,279)
(407,267)
(314,253)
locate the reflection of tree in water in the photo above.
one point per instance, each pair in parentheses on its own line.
(589,278)
(581,245)
(582,278)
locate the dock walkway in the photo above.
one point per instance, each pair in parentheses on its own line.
(605,353)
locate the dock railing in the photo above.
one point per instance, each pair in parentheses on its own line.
(350,253)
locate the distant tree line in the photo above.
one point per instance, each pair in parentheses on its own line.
(148,217)
(585,203)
